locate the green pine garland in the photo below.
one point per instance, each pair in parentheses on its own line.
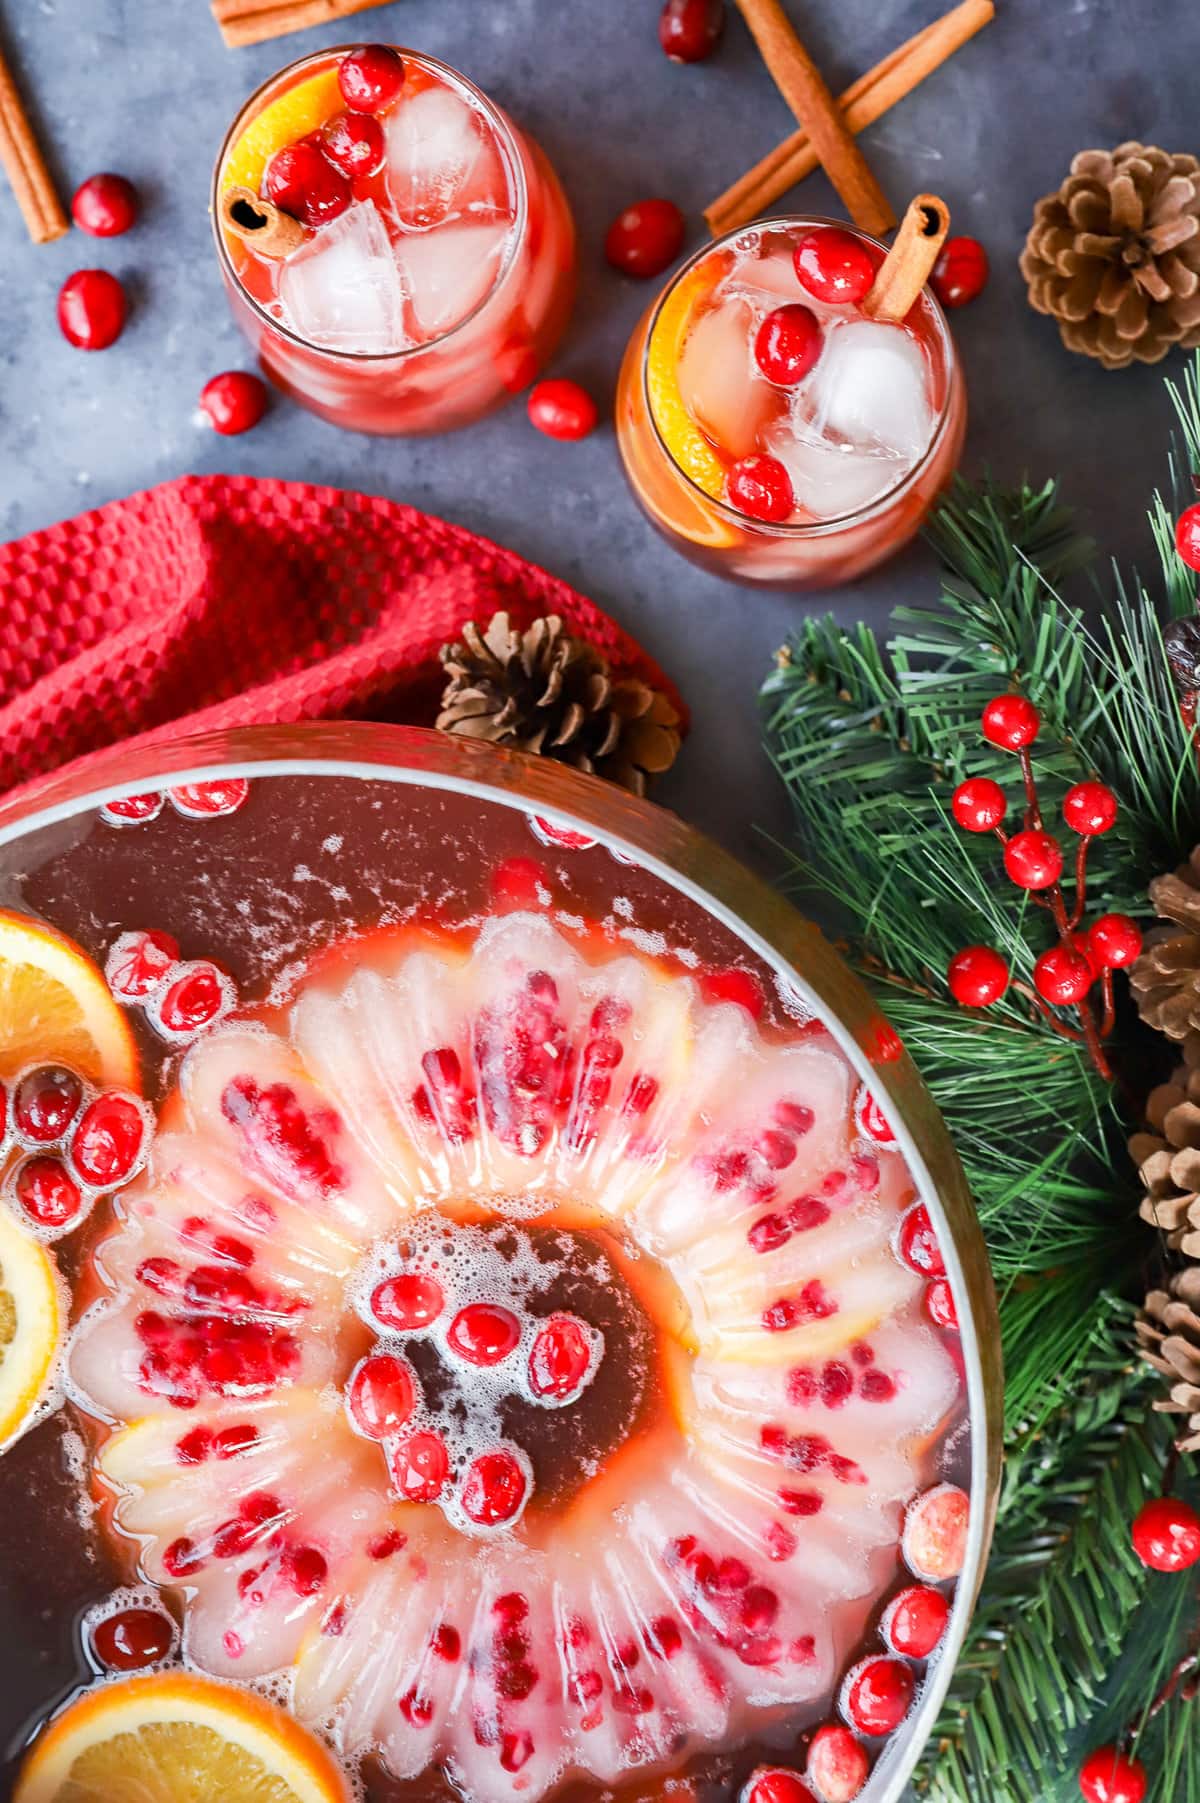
(1072,1639)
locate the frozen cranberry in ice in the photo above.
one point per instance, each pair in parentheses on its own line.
(206,801)
(132,810)
(935,1533)
(45,1103)
(917,1243)
(837,1764)
(775,1784)
(110,1140)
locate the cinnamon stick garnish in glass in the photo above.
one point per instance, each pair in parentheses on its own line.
(25,166)
(802,86)
(864,101)
(260,224)
(257,21)
(908,265)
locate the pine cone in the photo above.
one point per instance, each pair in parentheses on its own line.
(1168,1331)
(1114,255)
(1165,980)
(544,691)
(1168,1160)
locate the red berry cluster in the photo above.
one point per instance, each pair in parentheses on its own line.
(76,1143)
(1033,860)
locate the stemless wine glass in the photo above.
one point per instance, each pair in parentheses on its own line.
(854,503)
(443,295)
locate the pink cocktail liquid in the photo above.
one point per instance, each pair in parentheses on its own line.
(444,286)
(771,429)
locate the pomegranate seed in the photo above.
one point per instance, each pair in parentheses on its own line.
(739,986)
(834,266)
(181,1559)
(961,271)
(483,1333)
(768,1233)
(208,801)
(132,1640)
(232,1442)
(91,309)
(562,409)
(663,1637)
(282,1138)
(760,487)
(197,995)
(234,401)
(876,1386)
(837,1385)
(446,1643)
(802,1386)
(105,205)
(689,30)
(355,144)
(46,1102)
(132,810)
(46,1193)
(773,1784)
(801,1502)
(780,1542)
(386,1545)
(787,344)
(516,1749)
(641,1095)
(302,181)
(194,1447)
(776,1149)
(837,1764)
(420,1466)
(371,78)
(382,1395)
(561,1359)
(109,1141)
(794,1118)
(161,1275)
(494,1489)
(935,1533)
(939,1303)
(876,1695)
(137,964)
(915,1620)
(917,1244)
(645,238)
(305,1569)
(409,1302)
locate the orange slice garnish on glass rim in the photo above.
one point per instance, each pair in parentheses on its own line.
(686,444)
(55,1008)
(292,115)
(171,1737)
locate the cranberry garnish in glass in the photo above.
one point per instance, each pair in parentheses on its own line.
(437,266)
(772,429)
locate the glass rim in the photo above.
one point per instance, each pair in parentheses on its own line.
(506,137)
(794,529)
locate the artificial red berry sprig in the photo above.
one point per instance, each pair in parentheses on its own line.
(1065,974)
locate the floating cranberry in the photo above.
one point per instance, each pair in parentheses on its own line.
(979,804)
(1062,977)
(1187,536)
(961,271)
(977,976)
(561,1359)
(787,344)
(837,1764)
(371,78)
(1090,808)
(483,1333)
(645,238)
(562,409)
(132,1640)
(917,1245)
(109,1141)
(381,1396)
(1011,722)
(689,30)
(138,962)
(1033,860)
(132,810)
(1166,1534)
(760,487)
(935,1533)
(774,1784)
(939,1304)
(1110,1776)
(105,205)
(45,1103)
(47,1194)
(834,266)
(495,1488)
(876,1695)
(409,1302)
(234,401)
(197,995)
(355,144)
(1114,940)
(420,1466)
(91,309)
(915,1620)
(302,181)
(208,801)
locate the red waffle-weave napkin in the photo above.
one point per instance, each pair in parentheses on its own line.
(219,601)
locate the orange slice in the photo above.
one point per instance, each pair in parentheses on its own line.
(31,1326)
(293,115)
(55,1007)
(174,1738)
(682,437)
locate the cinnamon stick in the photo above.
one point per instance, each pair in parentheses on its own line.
(863,102)
(260,224)
(257,21)
(25,166)
(802,86)
(907,266)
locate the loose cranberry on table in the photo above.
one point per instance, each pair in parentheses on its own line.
(562,409)
(301,180)
(371,78)
(91,309)
(234,401)
(834,266)
(105,206)
(689,30)
(355,143)
(787,344)
(760,487)
(646,238)
(960,273)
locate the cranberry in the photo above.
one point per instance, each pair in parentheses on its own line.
(47,1194)
(105,206)
(960,273)
(494,1488)
(1187,536)
(382,1395)
(773,1784)
(1090,808)
(645,238)
(302,181)
(1114,940)
(371,78)
(834,266)
(46,1102)
(787,344)
(355,144)
(206,801)
(138,962)
(234,401)
(939,1303)
(876,1695)
(131,810)
(560,1359)
(1011,722)
(91,309)
(562,409)
(420,1466)
(409,1302)
(1033,860)
(916,1243)
(132,1639)
(689,30)
(109,1141)
(915,1620)
(197,995)
(935,1533)
(837,1764)
(977,976)
(978,805)
(760,487)
(1062,977)
(483,1333)
(1166,1534)
(1110,1776)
